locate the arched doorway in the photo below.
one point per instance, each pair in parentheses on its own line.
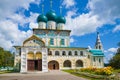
(30,55)
(79,63)
(38,61)
(34,61)
(30,61)
(53,65)
(67,63)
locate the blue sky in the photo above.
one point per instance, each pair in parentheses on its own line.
(84,18)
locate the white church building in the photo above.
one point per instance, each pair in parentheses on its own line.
(49,48)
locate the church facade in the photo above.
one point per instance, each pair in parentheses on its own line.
(49,48)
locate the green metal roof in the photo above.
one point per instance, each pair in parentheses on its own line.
(61,19)
(96,52)
(51,16)
(42,18)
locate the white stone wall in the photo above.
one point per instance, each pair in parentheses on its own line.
(73,58)
(51,25)
(57,40)
(26,50)
(42,25)
(98,61)
(60,26)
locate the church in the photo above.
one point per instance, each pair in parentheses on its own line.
(49,48)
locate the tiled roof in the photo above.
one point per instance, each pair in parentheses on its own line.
(96,52)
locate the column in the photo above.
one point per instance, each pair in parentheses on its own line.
(44,60)
(23,62)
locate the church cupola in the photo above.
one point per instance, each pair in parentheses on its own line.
(42,20)
(98,44)
(60,20)
(51,15)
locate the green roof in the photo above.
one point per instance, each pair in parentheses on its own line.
(96,52)
(42,18)
(51,16)
(61,19)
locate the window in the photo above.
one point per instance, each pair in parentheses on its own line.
(88,56)
(99,47)
(94,59)
(51,41)
(76,53)
(62,42)
(63,53)
(70,53)
(81,53)
(99,60)
(57,53)
(50,53)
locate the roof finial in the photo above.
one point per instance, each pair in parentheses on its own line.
(60,10)
(51,4)
(42,8)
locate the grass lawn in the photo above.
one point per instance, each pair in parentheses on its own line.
(2,72)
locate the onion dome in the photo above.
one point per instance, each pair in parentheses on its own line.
(61,19)
(51,16)
(42,18)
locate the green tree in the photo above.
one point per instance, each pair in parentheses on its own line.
(6,58)
(115,61)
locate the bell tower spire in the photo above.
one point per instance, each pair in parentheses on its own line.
(98,44)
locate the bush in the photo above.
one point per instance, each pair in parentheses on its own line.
(98,71)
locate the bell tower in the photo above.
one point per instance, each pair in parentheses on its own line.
(98,44)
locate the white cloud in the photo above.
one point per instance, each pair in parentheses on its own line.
(107,11)
(113,50)
(82,24)
(33,25)
(109,53)
(8,7)
(72,40)
(9,20)
(9,34)
(68,3)
(89,47)
(101,12)
(117,28)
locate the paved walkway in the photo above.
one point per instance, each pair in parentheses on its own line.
(51,75)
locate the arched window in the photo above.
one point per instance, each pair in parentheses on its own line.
(81,53)
(63,53)
(79,63)
(76,53)
(57,53)
(67,63)
(99,47)
(70,53)
(50,53)
(88,56)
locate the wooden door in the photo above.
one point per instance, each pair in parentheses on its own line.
(40,64)
(30,65)
(53,65)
